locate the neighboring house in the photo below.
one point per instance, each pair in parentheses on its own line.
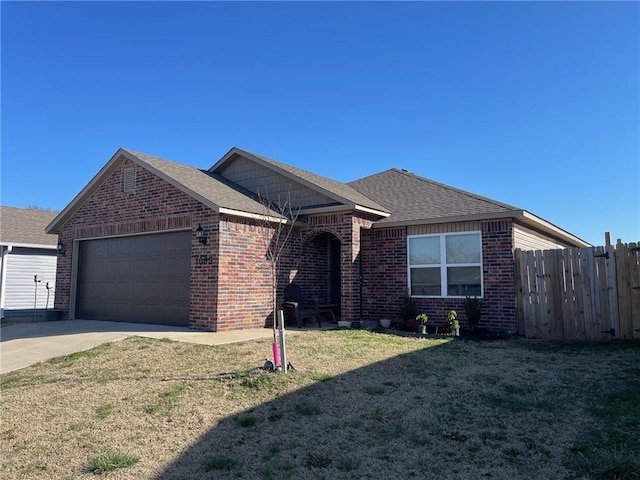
(26,251)
(133,253)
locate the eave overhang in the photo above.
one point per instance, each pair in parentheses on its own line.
(519,216)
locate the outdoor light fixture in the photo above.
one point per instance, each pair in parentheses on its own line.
(200,235)
(61,249)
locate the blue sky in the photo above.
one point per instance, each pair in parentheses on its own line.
(535,104)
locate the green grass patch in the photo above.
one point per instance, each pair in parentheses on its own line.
(110,461)
(72,358)
(246,421)
(219,462)
(320,376)
(103,411)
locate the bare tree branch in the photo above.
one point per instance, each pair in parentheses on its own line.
(276,232)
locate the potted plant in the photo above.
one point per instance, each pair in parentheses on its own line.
(408,312)
(422,323)
(473,311)
(454,324)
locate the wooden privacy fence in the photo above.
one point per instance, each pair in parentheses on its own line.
(579,293)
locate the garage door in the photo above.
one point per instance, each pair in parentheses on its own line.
(142,279)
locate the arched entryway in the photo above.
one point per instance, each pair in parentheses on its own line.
(320,273)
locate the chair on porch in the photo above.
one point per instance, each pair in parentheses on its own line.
(294,303)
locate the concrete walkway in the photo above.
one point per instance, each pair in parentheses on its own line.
(24,344)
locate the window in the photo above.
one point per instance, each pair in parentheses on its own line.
(447,265)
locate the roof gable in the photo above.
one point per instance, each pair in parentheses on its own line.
(307,190)
(204,187)
(26,227)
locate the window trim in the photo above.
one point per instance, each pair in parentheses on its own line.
(443,263)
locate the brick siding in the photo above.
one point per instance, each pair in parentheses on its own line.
(385,278)
(232,288)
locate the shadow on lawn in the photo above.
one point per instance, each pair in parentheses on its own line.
(306,433)
(391,419)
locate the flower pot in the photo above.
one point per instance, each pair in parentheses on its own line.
(456,332)
(385,323)
(422,329)
(344,323)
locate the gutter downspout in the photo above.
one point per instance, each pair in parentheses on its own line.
(6,250)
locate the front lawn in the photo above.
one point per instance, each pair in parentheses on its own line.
(359,405)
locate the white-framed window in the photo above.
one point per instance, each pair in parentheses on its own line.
(445,265)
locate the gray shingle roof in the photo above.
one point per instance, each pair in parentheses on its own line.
(412,198)
(333,187)
(206,185)
(25,226)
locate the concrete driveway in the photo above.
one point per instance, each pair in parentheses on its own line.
(24,344)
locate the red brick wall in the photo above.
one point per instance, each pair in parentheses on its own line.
(244,288)
(230,275)
(385,278)
(155,206)
(347,228)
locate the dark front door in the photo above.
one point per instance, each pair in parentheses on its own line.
(142,279)
(335,276)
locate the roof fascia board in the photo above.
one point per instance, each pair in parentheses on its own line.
(341,208)
(321,210)
(29,245)
(361,208)
(253,216)
(225,158)
(520,216)
(57,222)
(457,218)
(528,218)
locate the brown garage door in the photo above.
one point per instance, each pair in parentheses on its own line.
(142,279)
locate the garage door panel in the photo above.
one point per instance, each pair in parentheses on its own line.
(154,266)
(110,289)
(183,289)
(141,278)
(172,265)
(139,267)
(124,268)
(154,290)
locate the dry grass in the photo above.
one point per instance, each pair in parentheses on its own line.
(360,405)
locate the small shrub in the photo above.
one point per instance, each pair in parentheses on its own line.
(408,307)
(109,461)
(472,310)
